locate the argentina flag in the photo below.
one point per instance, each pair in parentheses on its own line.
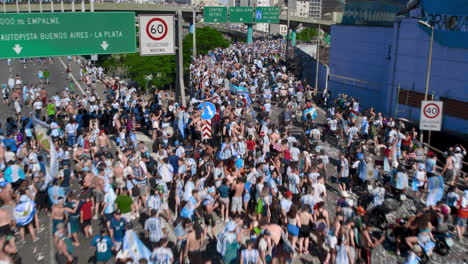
(436,190)
(239,89)
(24,212)
(136,249)
(311,111)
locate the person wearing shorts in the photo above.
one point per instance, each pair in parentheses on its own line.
(236,205)
(462,216)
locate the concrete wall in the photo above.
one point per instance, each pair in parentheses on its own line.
(370,63)
(449,72)
(359,59)
(308,65)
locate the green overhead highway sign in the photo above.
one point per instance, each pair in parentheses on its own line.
(57,34)
(242,14)
(215,14)
(267,14)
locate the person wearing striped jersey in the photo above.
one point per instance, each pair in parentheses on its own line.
(250,255)
(162,254)
(153,228)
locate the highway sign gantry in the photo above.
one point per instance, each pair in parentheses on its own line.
(157,35)
(241,14)
(27,35)
(215,14)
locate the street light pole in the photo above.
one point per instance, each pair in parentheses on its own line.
(317,57)
(287,38)
(429,64)
(194,40)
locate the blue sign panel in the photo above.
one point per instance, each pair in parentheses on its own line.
(258,14)
(450,22)
(209,110)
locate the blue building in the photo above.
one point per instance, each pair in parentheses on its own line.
(385,67)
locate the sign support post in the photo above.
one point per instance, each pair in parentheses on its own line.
(249,33)
(180,87)
(194,36)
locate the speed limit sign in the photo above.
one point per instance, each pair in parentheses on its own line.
(157,35)
(431,115)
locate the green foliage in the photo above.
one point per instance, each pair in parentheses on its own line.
(138,67)
(141,66)
(306,34)
(208,39)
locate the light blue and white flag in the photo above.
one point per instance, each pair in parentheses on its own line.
(436,190)
(311,111)
(238,89)
(24,212)
(136,249)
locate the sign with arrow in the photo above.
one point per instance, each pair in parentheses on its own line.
(209,110)
(26,35)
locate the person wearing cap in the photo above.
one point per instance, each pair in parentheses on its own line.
(58,212)
(117,227)
(420,181)
(104,247)
(458,156)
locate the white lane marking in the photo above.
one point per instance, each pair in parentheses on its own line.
(73,77)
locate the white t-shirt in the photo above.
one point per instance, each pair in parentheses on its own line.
(37,105)
(333,124)
(295,154)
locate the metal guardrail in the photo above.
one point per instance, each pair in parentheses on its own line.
(440,162)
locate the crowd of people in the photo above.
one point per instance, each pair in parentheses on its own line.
(261,189)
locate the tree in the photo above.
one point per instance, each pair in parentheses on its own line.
(208,39)
(162,68)
(307,34)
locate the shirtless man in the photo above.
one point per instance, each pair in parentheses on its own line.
(195,239)
(5,224)
(58,213)
(346,233)
(448,171)
(103,142)
(119,174)
(236,205)
(368,243)
(8,197)
(98,184)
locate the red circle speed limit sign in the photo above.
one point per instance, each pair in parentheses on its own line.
(431,110)
(156,29)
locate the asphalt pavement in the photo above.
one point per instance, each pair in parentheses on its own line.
(30,251)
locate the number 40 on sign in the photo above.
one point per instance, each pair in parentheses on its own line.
(431,115)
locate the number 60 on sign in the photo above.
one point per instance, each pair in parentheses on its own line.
(157,35)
